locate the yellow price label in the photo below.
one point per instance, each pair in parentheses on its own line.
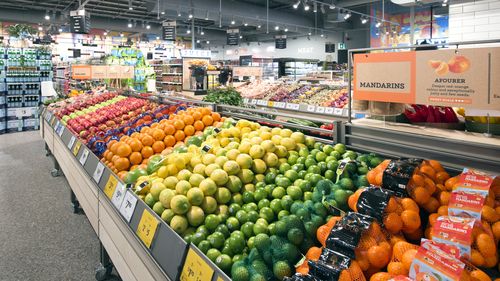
(53,121)
(196,268)
(109,188)
(76,148)
(270,103)
(147,228)
(219,278)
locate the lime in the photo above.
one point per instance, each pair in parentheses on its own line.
(213,254)
(224,262)
(226,250)
(248,197)
(179,224)
(149,199)
(223,195)
(340,148)
(204,246)
(250,207)
(251,242)
(328,149)
(195,216)
(222,228)
(267,214)
(286,202)
(269,178)
(236,244)
(234,208)
(262,241)
(336,154)
(260,228)
(346,183)
(197,237)
(252,216)
(203,229)
(298,168)
(305,186)
(232,224)
(320,156)
(314,169)
(234,184)
(278,192)
(272,228)
(302,174)
(362,170)
(276,206)
(284,167)
(292,159)
(237,258)
(222,212)
(292,175)
(375,161)
(340,196)
(216,239)
(322,167)
(242,216)
(283,182)
(282,214)
(263,203)
(361,181)
(237,198)
(295,236)
(330,174)
(247,229)
(294,192)
(309,162)
(301,161)
(212,221)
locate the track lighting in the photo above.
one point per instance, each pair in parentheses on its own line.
(347,15)
(148,26)
(277,28)
(364,20)
(378,24)
(315,7)
(296,5)
(286,29)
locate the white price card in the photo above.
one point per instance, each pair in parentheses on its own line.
(118,195)
(295,106)
(98,172)
(337,111)
(245,100)
(71,142)
(289,106)
(280,104)
(262,102)
(128,205)
(253,102)
(56,127)
(320,109)
(61,130)
(84,156)
(329,110)
(311,108)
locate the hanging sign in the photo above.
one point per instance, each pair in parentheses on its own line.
(80,22)
(169,30)
(280,41)
(233,36)
(81,72)
(464,78)
(330,47)
(188,53)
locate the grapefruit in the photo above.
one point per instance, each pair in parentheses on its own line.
(167,215)
(184,175)
(196,179)
(182,187)
(179,204)
(271,159)
(298,137)
(268,145)
(256,151)
(199,169)
(221,160)
(195,216)
(156,189)
(244,161)
(208,159)
(179,224)
(231,167)
(288,143)
(232,154)
(195,196)
(210,168)
(246,176)
(219,176)
(165,197)
(234,184)
(259,166)
(209,205)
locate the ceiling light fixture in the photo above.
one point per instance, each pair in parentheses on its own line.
(130,5)
(208,42)
(40,28)
(162,12)
(378,24)
(190,15)
(188,31)
(241,36)
(277,28)
(322,35)
(347,15)
(332,6)
(206,15)
(129,25)
(47,16)
(309,33)
(245,24)
(233,21)
(121,35)
(306,6)
(148,26)
(286,29)
(364,20)
(315,7)
(198,41)
(296,5)
(444,4)
(323,9)
(60,30)
(202,32)
(259,26)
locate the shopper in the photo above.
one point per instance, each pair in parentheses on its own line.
(225,73)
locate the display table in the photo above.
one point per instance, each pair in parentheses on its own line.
(140,245)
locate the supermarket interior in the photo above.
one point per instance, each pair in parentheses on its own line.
(250,140)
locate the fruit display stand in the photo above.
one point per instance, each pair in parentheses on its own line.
(140,244)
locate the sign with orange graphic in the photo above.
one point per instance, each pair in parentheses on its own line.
(81,72)
(462,78)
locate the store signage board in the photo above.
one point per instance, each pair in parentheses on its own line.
(81,72)
(98,172)
(465,78)
(80,21)
(188,53)
(311,108)
(338,111)
(99,72)
(110,187)
(169,30)
(233,37)
(196,267)
(128,205)
(147,228)
(280,41)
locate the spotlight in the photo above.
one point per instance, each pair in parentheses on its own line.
(198,41)
(378,24)
(346,16)
(245,24)
(121,35)
(286,29)
(233,22)
(323,9)
(208,42)
(105,33)
(60,30)
(40,28)
(322,35)
(148,26)
(190,16)
(47,17)
(188,31)
(276,28)
(364,20)
(241,37)
(202,32)
(157,37)
(296,5)
(259,26)
(162,12)
(306,6)
(315,7)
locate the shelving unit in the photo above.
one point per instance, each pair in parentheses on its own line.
(168,74)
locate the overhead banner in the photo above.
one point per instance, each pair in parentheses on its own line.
(280,42)
(465,78)
(169,30)
(86,72)
(233,36)
(80,22)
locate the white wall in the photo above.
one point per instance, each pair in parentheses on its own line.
(477,20)
(300,47)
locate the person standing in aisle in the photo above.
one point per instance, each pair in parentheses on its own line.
(225,73)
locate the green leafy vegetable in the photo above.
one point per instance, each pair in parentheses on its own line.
(224,96)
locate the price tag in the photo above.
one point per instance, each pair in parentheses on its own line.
(282,105)
(311,108)
(329,110)
(52,121)
(196,268)
(56,127)
(119,194)
(98,172)
(61,130)
(320,109)
(71,142)
(128,205)
(270,103)
(48,116)
(76,149)
(289,106)
(337,111)
(147,228)
(245,100)
(84,156)
(261,102)
(253,102)
(109,188)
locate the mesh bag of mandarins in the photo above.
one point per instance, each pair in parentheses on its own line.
(416,178)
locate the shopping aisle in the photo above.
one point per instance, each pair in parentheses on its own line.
(40,237)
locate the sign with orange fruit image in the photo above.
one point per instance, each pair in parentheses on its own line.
(464,77)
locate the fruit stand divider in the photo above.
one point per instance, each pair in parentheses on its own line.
(168,250)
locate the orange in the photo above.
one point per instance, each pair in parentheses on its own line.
(495,228)
(114,158)
(370,176)
(378,179)
(479,275)
(411,220)
(486,245)
(432,205)
(145,130)
(123,150)
(169,130)
(400,248)
(198,125)
(392,205)
(433,218)
(110,143)
(207,120)
(158,146)
(313,253)
(206,111)
(189,130)
(332,221)
(188,119)
(179,135)
(490,261)
(169,141)
(322,233)
(352,201)
(421,195)
(397,268)
(450,183)
(179,124)
(121,164)
(393,223)
(440,187)
(136,145)
(430,185)
(378,256)
(158,134)
(146,152)
(147,140)
(397,238)
(408,258)
(154,125)
(476,258)
(436,165)
(366,242)
(417,180)
(197,116)
(441,177)
(362,259)
(216,116)
(122,174)
(429,171)
(489,214)
(409,204)
(114,147)
(135,158)
(381,276)
(414,236)
(443,211)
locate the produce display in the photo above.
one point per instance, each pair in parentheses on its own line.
(227,96)
(430,114)
(270,203)
(320,95)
